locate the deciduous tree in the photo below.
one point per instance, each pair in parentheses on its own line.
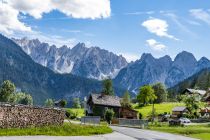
(49,103)
(146,95)
(76,103)
(160,92)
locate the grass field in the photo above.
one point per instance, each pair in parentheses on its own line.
(197,131)
(64,130)
(80,112)
(159,108)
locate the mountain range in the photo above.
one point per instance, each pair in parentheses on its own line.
(49,72)
(149,70)
(98,64)
(40,81)
(82,61)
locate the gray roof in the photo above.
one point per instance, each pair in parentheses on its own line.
(179,108)
(106,100)
(201,92)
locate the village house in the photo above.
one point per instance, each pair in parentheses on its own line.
(97,104)
(205,112)
(198,93)
(179,111)
(206,97)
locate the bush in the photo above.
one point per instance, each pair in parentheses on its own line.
(63,103)
(76,103)
(109,115)
(71,114)
(49,103)
(140,116)
(21,98)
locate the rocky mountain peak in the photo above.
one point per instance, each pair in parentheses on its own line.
(165,58)
(185,56)
(149,70)
(147,56)
(204,60)
(90,62)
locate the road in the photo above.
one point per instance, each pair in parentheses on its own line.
(142,134)
(120,133)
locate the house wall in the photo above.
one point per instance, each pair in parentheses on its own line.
(24,116)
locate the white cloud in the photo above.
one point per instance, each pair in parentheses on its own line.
(130,56)
(73,8)
(178,20)
(140,13)
(12,11)
(158,27)
(9,20)
(157,46)
(201,15)
(193,22)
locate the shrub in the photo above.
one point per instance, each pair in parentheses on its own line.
(76,103)
(63,103)
(109,113)
(71,114)
(140,116)
(49,103)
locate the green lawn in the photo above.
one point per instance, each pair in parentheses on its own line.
(159,108)
(197,131)
(64,130)
(80,111)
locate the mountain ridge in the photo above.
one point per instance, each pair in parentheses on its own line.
(98,63)
(149,70)
(39,81)
(80,60)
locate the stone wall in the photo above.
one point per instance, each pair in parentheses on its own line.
(26,116)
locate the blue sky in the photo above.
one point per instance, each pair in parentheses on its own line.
(128,27)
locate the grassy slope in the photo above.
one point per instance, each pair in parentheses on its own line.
(64,130)
(160,108)
(197,131)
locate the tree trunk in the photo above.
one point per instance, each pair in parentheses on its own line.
(153,112)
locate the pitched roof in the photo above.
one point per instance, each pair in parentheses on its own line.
(179,108)
(201,92)
(106,100)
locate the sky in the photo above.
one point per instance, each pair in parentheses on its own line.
(127,27)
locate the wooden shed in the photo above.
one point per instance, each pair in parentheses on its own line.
(128,113)
(179,111)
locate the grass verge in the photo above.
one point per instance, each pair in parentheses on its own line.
(197,131)
(64,130)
